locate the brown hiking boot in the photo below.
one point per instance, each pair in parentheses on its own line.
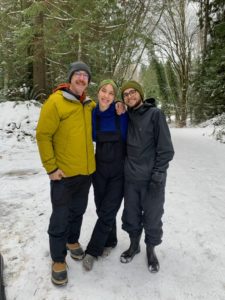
(76,251)
(59,273)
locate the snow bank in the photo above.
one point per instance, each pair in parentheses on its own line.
(215,127)
(19,119)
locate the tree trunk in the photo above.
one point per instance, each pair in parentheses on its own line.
(39,82)
(79,47)
(5,76)
(206,26)
(183,110)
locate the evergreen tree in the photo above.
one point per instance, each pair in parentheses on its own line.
(174,42)
(40,38)
(163,85)
(173,85)
(150,82)
(208,92)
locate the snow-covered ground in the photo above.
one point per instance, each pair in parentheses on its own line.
(215,127)
(192,254)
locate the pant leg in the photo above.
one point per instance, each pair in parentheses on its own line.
(132,213)
(79,187)
(99,181)
(58,226)
(106,215)
(112,238)
(153,205)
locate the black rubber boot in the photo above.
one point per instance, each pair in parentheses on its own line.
(134,249)
(153,263)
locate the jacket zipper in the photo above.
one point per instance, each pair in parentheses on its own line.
(85,127)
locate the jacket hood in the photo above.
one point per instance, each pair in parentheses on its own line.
(62,87)
(147,104)
(150,102)
(68,94)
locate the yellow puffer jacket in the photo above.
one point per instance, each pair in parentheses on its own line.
(64,134)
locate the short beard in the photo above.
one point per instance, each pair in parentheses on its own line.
(137,104)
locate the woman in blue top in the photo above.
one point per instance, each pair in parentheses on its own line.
(109,133)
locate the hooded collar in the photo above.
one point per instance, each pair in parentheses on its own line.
(147,104)
(150,102)
(69,95)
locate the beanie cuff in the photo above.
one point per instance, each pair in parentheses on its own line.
(108,81)
(132,84)
(79,66)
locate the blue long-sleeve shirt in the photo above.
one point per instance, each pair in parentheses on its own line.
(107,120)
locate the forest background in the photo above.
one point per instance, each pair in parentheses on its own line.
(175,48)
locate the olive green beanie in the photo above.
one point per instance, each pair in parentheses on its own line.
(132,84)
(108,81)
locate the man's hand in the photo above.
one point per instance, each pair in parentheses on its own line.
(120,108)
(57,175)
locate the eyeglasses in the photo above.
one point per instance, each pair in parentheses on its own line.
(79,74)
(130,93)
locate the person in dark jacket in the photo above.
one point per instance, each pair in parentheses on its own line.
(149,150)
(109,133)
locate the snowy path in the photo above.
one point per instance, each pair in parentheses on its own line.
(192,254)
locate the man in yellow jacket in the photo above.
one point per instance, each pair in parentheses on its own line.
(64,138)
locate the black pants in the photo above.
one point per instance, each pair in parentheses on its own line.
(108,183)
(143,209)
(69,198)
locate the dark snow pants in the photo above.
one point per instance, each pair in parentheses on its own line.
(108,183)
(143,209)
(69,198)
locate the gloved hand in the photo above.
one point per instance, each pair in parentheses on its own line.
(158,178)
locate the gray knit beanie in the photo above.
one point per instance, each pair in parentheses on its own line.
(79,66)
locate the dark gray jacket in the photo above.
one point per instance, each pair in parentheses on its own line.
(149,145)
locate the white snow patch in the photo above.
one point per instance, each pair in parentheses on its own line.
(19,119)
(215,127)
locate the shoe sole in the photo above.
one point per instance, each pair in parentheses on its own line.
(77,257)
(153,271)
(59,283)
(125,260)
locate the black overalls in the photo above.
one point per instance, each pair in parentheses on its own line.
(108,183)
